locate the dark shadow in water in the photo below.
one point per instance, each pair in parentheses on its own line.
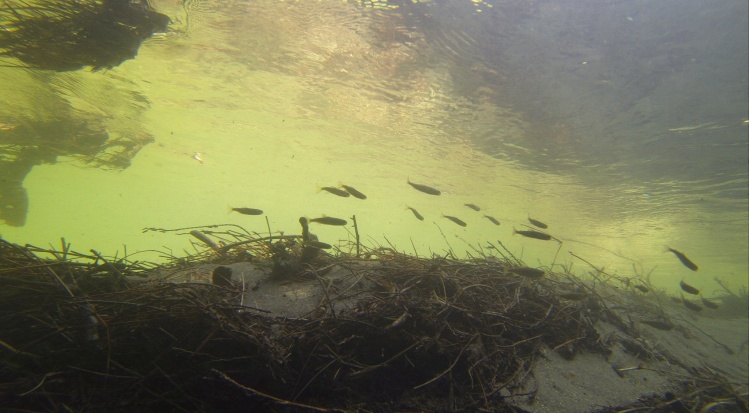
(26,144)
(64,35)
(40,119)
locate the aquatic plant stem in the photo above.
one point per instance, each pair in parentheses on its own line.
(356,234)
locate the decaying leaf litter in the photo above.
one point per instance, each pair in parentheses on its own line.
(382,330)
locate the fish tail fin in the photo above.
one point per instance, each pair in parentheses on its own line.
(230,209)
(514,231)
(666,248)
(319,189)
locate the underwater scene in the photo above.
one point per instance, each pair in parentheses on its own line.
(551,166)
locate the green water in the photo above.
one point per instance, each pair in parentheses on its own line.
(280,98)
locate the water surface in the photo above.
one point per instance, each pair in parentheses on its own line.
(620,124)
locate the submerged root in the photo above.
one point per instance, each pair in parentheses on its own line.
(96,333)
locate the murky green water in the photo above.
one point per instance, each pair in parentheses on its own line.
(622,125)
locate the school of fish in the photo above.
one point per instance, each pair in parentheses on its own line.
(345,191)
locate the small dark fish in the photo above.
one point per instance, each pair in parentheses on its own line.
(659,324)
(351,190)
(532,234)
(335,191)
(573,296)
(709,304)
(690,305)
(642,288)
(455,220)
(329,221)
(473,207)
(688,288)
(247,211)
(317,244)
(425,189)
(492,219)
(537,223)
(684,260)
(416,213)
(528,272)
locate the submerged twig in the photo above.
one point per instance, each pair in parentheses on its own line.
(274,399)
(449,368)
